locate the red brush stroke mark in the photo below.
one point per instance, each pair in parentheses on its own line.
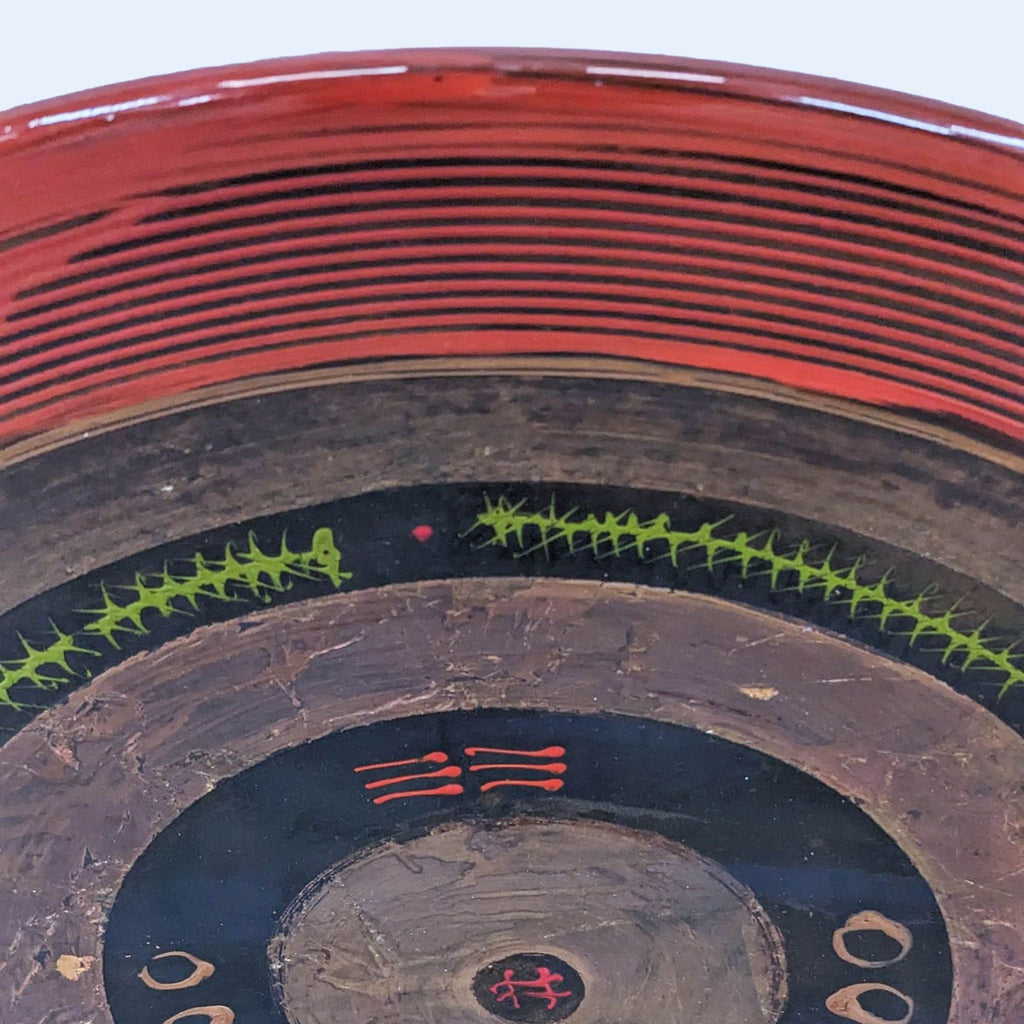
(422,533)
(546,752)
(451,772)
(434,757)
(548,785)
(556,768)
(454,789)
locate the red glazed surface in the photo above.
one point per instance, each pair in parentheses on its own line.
(185,232)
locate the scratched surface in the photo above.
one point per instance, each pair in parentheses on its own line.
(91,782)
(278,679)
(657,931)
(786,303)
(106,497)
(794,846)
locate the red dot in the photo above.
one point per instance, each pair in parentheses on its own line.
(422,533)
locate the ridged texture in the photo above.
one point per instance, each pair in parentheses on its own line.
(538,234)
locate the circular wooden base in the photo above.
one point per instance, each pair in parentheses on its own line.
(652,928)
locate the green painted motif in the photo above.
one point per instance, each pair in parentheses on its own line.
(241,575)
(624,533)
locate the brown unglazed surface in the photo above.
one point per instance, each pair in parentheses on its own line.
(90,783)
(657,932)
(89,503)
(791,295)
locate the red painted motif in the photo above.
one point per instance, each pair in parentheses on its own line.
(453,789)
(454,771)
(450,772)
(434,757)
(545,752)
(541,987)
(548,768)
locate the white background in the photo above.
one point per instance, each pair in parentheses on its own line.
(969,52)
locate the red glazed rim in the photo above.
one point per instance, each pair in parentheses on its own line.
(169,238)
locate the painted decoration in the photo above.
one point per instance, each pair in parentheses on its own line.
(510,537)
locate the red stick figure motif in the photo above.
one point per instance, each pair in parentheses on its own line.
(541,987)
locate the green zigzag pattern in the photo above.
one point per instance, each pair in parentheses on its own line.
(622,533)
(246,574)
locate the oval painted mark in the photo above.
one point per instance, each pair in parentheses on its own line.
(846,1003)
(872,921)
(201,970)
